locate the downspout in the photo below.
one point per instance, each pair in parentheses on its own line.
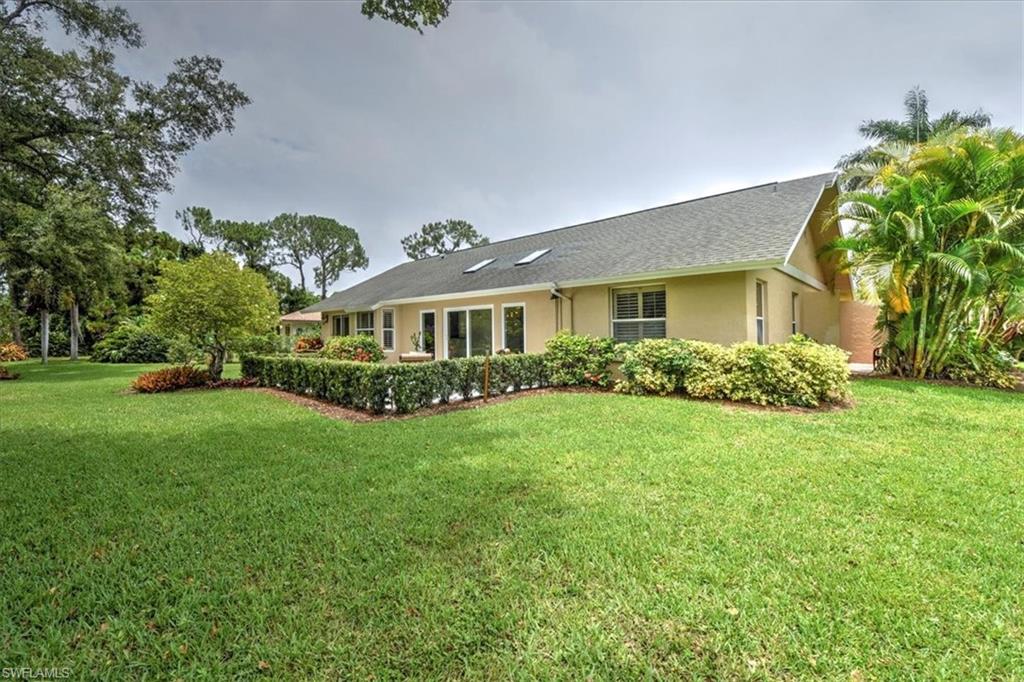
(555,293)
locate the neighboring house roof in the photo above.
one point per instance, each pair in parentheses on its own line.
(300,316)
(751,227)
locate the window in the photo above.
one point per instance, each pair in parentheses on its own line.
(427,331)
(345,325)
(526,260)
(364,323)
(513,327)
(336,325)
(479,266)
(794,305)
(387,329)
(287,330)
(759,308)
(468,332)
(638,313)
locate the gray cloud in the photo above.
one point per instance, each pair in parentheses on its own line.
(525,116)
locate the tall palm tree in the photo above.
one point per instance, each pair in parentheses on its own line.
(893,135)
(940,233)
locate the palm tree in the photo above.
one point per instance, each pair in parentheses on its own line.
(894,136)
(940,233)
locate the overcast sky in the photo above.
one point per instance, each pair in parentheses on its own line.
(526,116)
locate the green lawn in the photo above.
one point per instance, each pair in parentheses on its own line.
(561,535)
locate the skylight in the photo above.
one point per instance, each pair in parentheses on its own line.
(479,266)
(526,260)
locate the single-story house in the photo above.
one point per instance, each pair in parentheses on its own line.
(299,323)
(737,266)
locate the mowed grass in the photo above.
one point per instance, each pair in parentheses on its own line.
(231,533)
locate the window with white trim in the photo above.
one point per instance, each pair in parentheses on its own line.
(387,329)
(794,305)
(364,323)
(638,313)
(760,292)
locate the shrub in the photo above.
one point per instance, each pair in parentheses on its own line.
(361,348)
(130,342)
(259,344)
(171,379)
(402,388)
(308,343)
(987,367)
(579,359)
(12,352)
(800,372)
(8,375)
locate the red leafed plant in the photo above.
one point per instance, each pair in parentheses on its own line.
(6,374)
(171,379)
(12,352)
(308,343)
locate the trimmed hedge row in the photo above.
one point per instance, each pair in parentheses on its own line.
(401,388)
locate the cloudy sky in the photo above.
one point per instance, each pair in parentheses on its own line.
(526,116)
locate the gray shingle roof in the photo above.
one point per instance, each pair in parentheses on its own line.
(755,224)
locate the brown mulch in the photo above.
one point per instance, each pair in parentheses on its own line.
(332,411)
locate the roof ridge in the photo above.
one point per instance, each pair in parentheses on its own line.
(623,215)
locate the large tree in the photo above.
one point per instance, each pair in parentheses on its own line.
(334,248)
(435,239)
(214,304)
(71,118)
(292,240)
(915,128)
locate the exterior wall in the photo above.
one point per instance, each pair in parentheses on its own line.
(857,330)
(805,256)
(704,307)
(817,311)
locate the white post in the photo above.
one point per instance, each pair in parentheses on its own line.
(75,332)
(44,341)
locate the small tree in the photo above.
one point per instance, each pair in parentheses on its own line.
(213,304)
(435,239)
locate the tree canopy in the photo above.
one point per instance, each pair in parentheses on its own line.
(335,248)
(414,14)
(214,304)
(72,118)
(438,238)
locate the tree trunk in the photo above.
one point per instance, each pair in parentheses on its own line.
(922,332)
(44,335)
(302,278)
(216,367)
(76,331)
(15,316)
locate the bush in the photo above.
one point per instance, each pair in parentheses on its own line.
(362,348)
(171,379)
(800,372)
(988,367)
(130,342)
(12,352)
(260,344)
(579,360)
(308,343)
(8,375)
(401,388)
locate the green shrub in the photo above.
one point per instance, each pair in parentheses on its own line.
(800,372)
(361,348)
(401,388)
(982,367)
(579,359)
(130,342)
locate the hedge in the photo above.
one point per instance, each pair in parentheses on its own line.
(801,372)
(400,388)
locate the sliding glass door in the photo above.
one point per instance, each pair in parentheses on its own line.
(469,331)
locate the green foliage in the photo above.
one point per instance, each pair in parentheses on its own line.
(579,359)
(980,365)
(214,305)
(171,379)
(334,247)
(801,372)
(435,239)
(939,233)
(399,387)
(414,14)
(70,118)
(130,342)
(359,348)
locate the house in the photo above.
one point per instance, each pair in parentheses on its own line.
(299,323)
(736,266)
